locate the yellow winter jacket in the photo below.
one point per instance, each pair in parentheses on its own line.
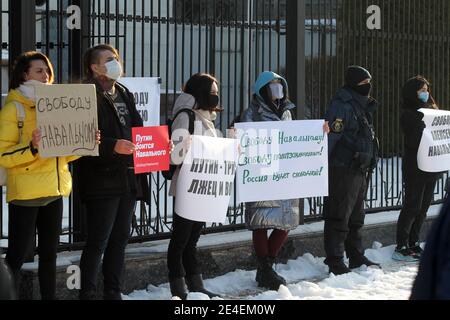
(29,176)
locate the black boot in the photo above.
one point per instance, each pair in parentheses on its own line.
(337,266)
(266,277)
(356,262)
(195,284)
(178,288)
(271,261)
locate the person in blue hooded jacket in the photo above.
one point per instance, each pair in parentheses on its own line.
(270,103)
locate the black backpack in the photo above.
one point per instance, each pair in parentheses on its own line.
(168,174)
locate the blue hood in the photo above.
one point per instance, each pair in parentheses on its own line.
(265,78)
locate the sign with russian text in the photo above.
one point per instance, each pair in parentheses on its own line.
(67,117)
(206,179)
(152,149)
(434,149)
(282,160)
(146,93)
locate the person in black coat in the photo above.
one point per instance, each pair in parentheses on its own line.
(108,185)
(352,151)
(418,185)
(433,279)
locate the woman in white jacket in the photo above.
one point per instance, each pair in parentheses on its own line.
(200,98)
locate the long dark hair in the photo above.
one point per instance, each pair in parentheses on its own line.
(92,56)
(22,66)
(409,93)
(199,86)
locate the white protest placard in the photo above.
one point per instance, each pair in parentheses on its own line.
(206,179)
(146,93)
(67,117)
(434,149)
(282,160)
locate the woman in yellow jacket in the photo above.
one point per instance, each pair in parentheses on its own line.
(35,185)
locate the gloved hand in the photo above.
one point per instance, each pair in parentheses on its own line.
(422,125)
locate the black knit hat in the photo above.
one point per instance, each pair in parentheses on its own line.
(355,74)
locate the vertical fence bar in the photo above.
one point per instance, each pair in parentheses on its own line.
(143,21)
(3,46)
(79,42)
(21,12)
(22,37)
(295,59)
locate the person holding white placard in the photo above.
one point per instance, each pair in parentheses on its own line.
(200,99)
(35,186)
(418,185)
(270,103)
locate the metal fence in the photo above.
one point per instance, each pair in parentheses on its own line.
(236,40)
(413,39)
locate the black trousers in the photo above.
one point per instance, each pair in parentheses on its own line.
(108,230)
(419,190)
(182,252)
(22,225)
(344,214)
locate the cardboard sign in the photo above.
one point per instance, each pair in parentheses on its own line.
(282,160)
(434,149)
(152,149)
(67,117)
(146,93)
(206,179)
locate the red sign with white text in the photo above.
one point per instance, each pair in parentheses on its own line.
(152,149)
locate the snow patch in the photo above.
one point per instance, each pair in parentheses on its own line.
(308,279)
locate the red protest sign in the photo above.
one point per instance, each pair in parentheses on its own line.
(152,149)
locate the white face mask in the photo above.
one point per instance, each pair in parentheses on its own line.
(113,69)
(277,90)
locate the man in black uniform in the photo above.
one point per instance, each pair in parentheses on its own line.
(352,153)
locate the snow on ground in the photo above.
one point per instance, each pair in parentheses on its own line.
(308,279)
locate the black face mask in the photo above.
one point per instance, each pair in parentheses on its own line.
(213,101)
(364,89)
